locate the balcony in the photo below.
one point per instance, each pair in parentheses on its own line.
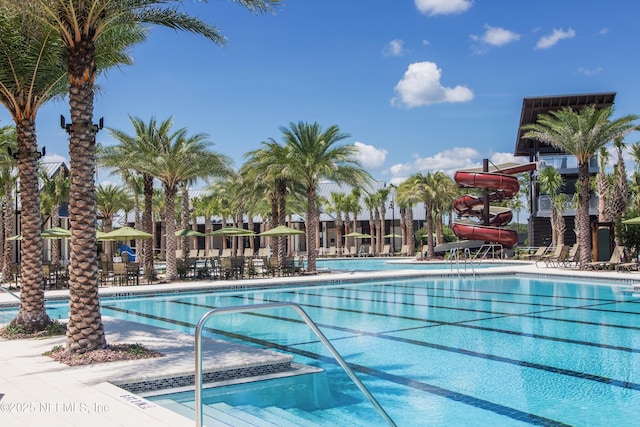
(544,206)
(566,163)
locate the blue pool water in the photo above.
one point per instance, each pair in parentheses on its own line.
(435,352)
(381,264)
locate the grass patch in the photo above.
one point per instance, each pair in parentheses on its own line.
(16,332)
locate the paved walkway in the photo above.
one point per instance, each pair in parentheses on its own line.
(37,391)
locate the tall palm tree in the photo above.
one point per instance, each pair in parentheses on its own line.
(580,133)
(424,187)
(110,199)
(314,156)
(336,206)
(81,26)
(7,184)
(175,157)
(55,192)
(618,201)
(371,203)
(126,159)
(551,182)
(407,198)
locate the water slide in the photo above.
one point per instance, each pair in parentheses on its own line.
(500,183)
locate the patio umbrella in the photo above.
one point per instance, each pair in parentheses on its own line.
(56,233)
(281,230)
(358,235)
(187,232)
(231,231)
(49,233)
(126,233)
(635,220)
(394,235)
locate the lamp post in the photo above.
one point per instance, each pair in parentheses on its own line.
(393,223)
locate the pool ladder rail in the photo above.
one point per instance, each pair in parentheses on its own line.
(310,323)
(10,293)
(460,255)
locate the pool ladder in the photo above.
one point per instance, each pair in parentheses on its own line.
(310,323)
(455,256)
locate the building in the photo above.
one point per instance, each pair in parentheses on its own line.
(549,156)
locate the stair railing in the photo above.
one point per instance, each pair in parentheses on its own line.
(310,323)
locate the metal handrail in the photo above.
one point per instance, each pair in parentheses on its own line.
(310,323)
(10,293)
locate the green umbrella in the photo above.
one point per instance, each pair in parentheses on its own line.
(49,233)
(635,220)
(358,235)
(187,232)
(394,235)
(126,233)
(231,231)
(281,230)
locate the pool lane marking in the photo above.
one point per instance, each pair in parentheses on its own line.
(502,359)
(495,314)
(396,379)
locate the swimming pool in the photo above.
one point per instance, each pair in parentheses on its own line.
(381,264)
(437,351)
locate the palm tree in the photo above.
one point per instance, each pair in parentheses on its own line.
(618,201)
(314,156)
(580,133)
(82,26)
(407,198)
(424,186)
(174,158)
(602,185)
(371,203)
(7,184)
(336,206)
(551,183)
(126,159)
(110,199)
(55,192)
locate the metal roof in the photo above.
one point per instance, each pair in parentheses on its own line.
(532,107)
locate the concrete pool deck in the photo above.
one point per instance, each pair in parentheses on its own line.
(35,390)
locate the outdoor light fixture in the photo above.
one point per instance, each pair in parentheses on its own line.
(37,154)
(69,126)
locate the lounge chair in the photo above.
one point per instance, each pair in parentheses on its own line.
(386,250)
(554,259)
(404,251)
(617,257)
(573,256)
(535,256)
(332,252)
(628,266)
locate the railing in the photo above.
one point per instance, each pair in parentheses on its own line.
(10,293)
(310,323)
(454,256)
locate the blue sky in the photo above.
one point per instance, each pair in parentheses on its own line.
(420,85)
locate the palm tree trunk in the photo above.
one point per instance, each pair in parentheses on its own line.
(583,222)
(32,315)
(9,228)
(55,243)
(411,241)
(147,223)
(170,219)
(311,226)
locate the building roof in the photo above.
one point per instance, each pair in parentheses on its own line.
(532,107)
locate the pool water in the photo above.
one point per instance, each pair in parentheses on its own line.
(435,352)
(378,264)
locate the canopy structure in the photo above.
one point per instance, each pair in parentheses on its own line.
(392,235)
(281,230)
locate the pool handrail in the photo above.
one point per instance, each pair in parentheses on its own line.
(10,293)
(310,323)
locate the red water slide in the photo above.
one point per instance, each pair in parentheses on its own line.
(502,184)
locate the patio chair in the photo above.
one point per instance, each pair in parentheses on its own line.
(535,256)
(573,256)
(554,259)
(628,266)
(248,253)
(386,250)
(332,252)
(404,251)
(617,257)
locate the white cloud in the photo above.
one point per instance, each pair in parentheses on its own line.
(369,156)
(546,42)
(448,161)
(443,7)
(394,48)
(590,72)
(497,36)
(603,31)
(426,42)
(421,85)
